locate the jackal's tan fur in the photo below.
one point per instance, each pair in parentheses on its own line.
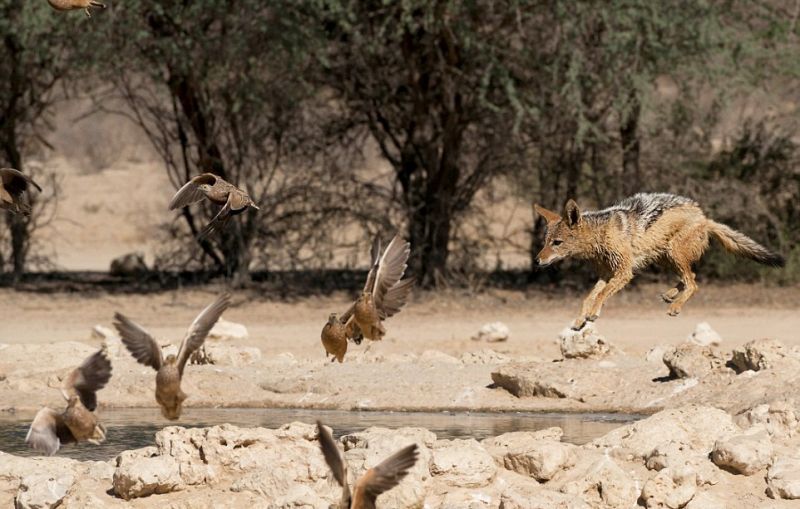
(641,230)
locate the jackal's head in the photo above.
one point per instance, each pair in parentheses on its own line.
(564,236)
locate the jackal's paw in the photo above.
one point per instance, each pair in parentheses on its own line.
(674,311)
(581,322)
(578,324)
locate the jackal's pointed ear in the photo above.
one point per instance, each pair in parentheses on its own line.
(572,214)
(548,215)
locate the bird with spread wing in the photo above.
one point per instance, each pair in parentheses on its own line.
(384,293)
(71,5)
(378,479)
(144,349)
(77,423)
(13,185)
(233,200)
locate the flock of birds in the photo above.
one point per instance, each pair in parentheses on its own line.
(384,294)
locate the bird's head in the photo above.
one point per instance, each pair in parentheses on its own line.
(205,187)
(333,318)
(171,359)
(73,400)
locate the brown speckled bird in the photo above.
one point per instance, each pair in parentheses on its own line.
(335,334)
(71,5)
(51,429)
(384,292)
(378,479)
(13,183)
(170,370)
(234,201)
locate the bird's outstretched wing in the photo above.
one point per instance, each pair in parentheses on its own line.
(16,182)
(139,342)
(387,474)
(13,184)
(395,298)
(200,327)
(390,269)
(335,461)
(48,432)
(374,259)
(191,192)
(218,221)
(88,378)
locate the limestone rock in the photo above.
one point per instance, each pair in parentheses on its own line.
(677,456)
(463,498)
(141,473)
(696,426)
(599,481)
(523,381)
(224,330)
(758,354)
(656,354)
(462,463)
(539,454)
(689,360)
(670,489)
(783,478)
(494,332)
(705,500)
(779,418)
(704,335)
(585,343)
(743,454)
(42,491)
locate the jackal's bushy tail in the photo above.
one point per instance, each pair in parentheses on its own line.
(742,245)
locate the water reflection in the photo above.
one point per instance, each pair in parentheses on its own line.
(134,428)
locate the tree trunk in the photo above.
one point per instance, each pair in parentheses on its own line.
(629,139)
(429,234)
(17,223)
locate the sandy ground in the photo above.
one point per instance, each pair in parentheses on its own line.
(420,365)
(635,320)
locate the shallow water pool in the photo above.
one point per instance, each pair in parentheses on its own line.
(134,428)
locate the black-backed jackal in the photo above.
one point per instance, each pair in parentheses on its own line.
(640,230)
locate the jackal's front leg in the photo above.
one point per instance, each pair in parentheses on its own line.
(616,283)
(588,302)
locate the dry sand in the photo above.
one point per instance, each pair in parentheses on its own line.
(412,369)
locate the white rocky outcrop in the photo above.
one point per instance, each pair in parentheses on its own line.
(494,332)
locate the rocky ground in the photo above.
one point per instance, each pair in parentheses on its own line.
(694,457)
(723,430)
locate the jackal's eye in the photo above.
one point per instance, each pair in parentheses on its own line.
(557,242)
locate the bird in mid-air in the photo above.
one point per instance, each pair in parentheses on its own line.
(336,333)
(234,201)
(385,292)
(378,479)
(170,370)
(71,5)
(13,184)
(383,295)
(76,423)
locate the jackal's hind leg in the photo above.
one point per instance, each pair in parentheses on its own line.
(689,289)
(670,295)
